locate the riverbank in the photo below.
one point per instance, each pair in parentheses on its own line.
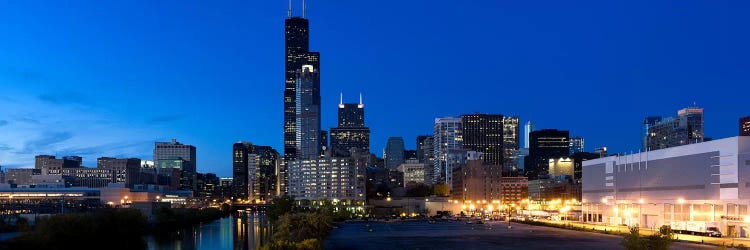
(92,230)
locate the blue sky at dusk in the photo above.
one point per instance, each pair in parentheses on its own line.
(96,78)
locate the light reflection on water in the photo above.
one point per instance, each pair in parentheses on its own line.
(241,231)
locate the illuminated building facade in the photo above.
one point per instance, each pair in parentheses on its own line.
(576,145)
(545,144)
(514,190)
(447,135)
(484,133)
(256,172)
(415,173)
(689,187)
(683,129)
(327,178)
(477,181)
(745,126)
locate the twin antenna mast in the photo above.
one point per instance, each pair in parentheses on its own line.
(304,9)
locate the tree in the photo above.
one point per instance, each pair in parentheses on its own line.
(280,206)
(633,241)
(661,241)
(442,189)
(418,190)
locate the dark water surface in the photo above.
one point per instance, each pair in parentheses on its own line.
(244,231)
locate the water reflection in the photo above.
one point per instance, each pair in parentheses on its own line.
(242,231)
(253,231)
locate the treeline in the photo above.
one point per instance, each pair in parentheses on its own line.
(297,229)
(102,229)
(170,219)
(106,228)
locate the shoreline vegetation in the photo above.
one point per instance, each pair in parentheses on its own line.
(302,229)
(107,228)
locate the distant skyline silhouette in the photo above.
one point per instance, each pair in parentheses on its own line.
(109,79)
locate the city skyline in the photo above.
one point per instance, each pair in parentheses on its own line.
(46,112)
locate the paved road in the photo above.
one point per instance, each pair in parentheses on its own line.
(457,235)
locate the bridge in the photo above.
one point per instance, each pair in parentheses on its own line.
(249,206)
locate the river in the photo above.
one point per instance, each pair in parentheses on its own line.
(243,231)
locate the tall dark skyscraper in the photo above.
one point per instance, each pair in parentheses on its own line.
(511,142)
(240,160)
(256,172)
(544,145)
(422,155)
(394,152)
(351,133)
(745,126)
(351,115)
(296,55)
(484,133)
(308,114)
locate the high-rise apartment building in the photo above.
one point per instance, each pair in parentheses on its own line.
(685,128)
(647,123)
(296,54)
(174,150)
(394,152)
(351,133)
(328,178)
(544,145)
(447,135)
(745,126)
(576,145)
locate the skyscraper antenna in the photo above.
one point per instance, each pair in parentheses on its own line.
(304,9)
(341,100)
(360,98)
(289,11)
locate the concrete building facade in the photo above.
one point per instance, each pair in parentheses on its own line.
(688,187)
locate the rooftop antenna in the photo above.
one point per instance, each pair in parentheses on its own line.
(304,9)
(341,100)
(289,11)
(360,100)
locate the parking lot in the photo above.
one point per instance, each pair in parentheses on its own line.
(460,235)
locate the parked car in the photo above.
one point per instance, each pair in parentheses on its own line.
(713,232)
